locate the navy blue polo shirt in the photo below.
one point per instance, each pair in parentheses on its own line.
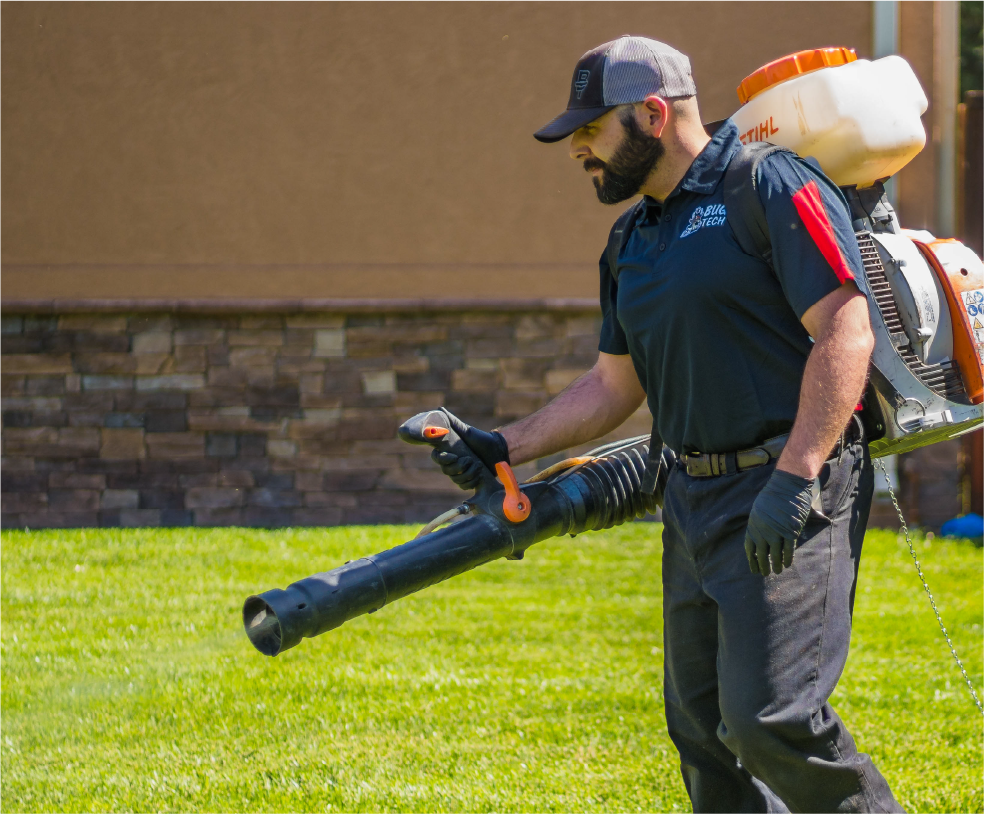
(714,333)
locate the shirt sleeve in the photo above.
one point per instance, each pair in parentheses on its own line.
(612,336)
(814,250)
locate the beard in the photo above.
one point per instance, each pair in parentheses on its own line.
(630,165)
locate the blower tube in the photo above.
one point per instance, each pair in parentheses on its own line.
(600,494)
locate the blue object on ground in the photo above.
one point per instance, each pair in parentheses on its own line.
(968,525)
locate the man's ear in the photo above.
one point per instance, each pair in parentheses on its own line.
(656,110)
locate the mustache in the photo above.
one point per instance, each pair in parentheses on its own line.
(593,164)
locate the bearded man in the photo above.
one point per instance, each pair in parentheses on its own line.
(752,364)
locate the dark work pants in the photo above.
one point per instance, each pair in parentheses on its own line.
(750,661)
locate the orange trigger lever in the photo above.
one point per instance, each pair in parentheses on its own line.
(430,433)
(515,505)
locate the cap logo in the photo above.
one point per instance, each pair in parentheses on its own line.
(581,83)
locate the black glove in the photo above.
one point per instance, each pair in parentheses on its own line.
(489,447)
(776,521)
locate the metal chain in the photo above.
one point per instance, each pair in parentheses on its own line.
(929,593)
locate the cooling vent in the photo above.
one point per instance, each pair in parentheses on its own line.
(944,378)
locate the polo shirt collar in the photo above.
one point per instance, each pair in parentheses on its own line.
(708,168)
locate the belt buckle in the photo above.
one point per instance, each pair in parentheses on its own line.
(699,466)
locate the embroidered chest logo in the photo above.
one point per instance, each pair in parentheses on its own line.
(710,215)
(581,84)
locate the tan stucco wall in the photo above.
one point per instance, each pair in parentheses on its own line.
(917,184)
(332,149)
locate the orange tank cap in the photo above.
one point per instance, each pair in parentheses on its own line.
(787,67)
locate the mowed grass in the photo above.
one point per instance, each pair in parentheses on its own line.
(128,684)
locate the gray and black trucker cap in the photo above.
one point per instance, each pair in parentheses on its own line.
(620,72)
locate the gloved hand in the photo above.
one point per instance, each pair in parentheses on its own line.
(489,447)
(776,521)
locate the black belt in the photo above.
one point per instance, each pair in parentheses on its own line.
(712,464)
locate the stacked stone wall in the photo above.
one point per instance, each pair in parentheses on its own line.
(281,419)
(260,419)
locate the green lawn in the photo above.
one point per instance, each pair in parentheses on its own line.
(128,684)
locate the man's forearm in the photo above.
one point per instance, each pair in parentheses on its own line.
(833,382)
(593,405)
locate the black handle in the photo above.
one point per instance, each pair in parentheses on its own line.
(434,428)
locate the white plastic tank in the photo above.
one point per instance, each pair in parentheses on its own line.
(860,119)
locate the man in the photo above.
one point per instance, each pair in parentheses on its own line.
(752,367)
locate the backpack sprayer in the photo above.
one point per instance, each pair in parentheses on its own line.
(861,121)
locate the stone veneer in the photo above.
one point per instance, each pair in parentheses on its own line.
(279,419)
(271,419)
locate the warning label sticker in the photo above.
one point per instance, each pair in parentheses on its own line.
(973,302)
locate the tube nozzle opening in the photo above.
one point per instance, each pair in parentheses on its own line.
(262,626)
